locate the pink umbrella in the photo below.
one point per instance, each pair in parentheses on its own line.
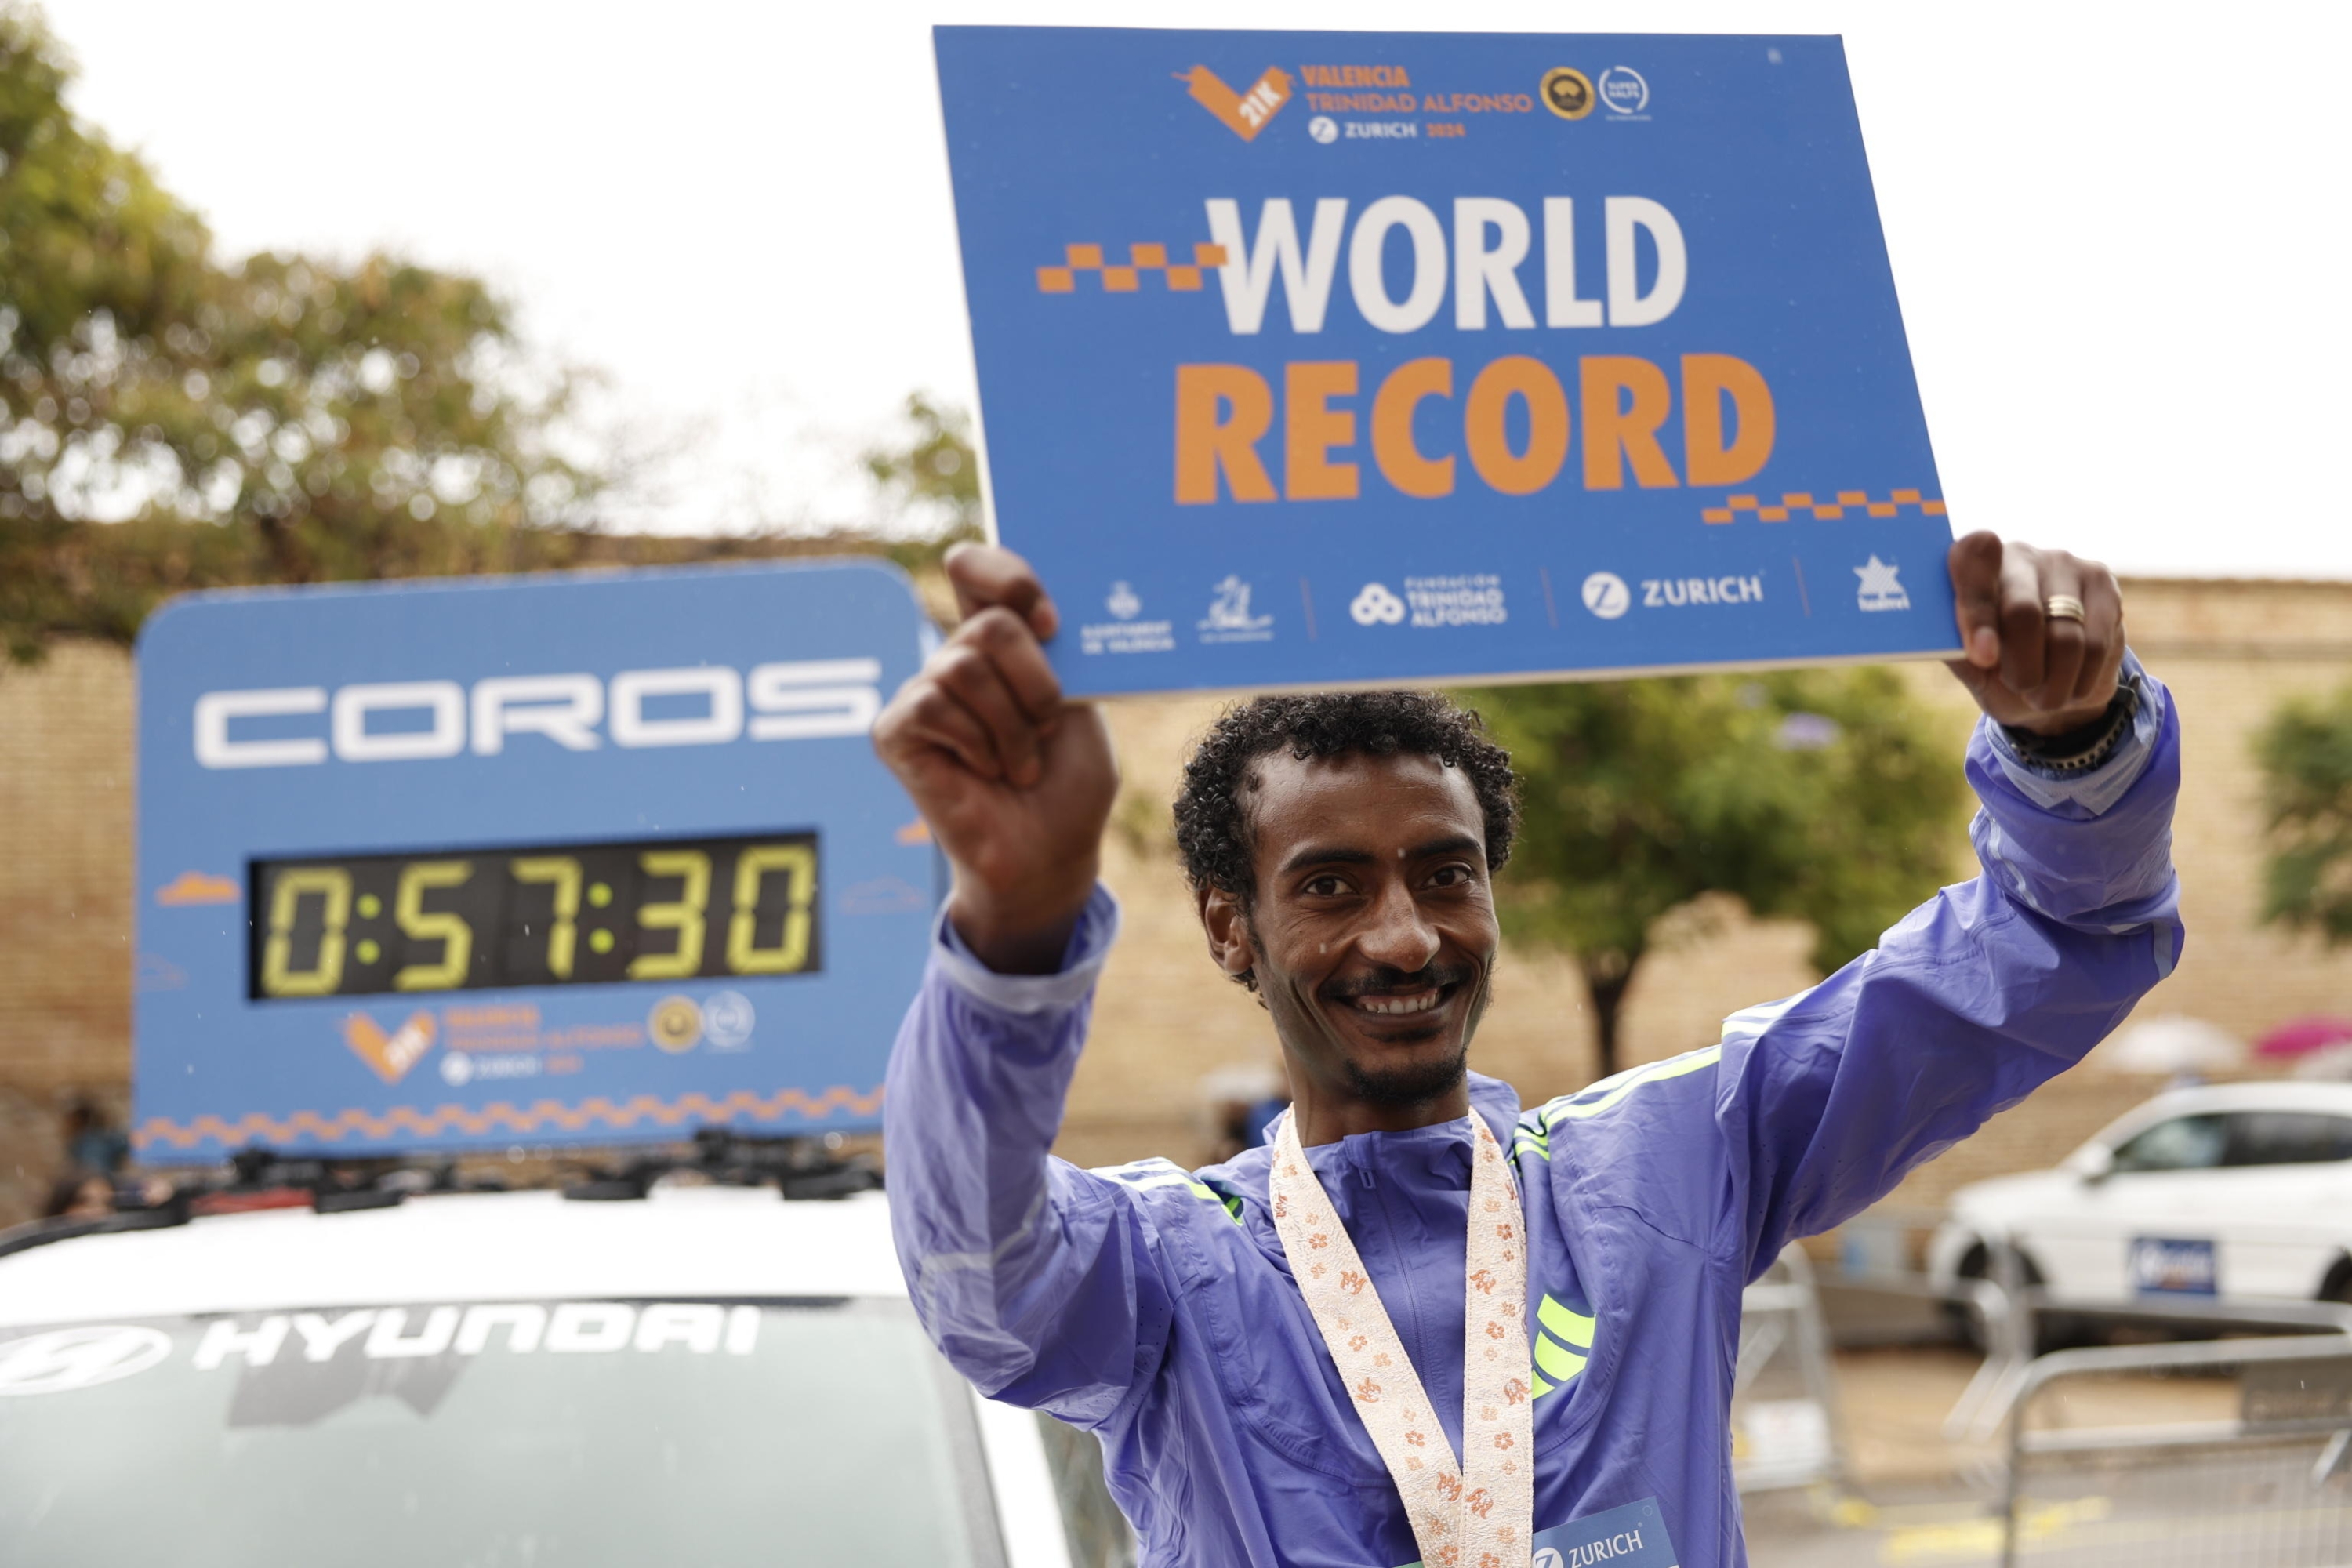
(2302,1036)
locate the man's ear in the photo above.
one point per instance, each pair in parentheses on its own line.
(1227,930)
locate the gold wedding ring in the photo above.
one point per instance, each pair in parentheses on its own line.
(2063,607)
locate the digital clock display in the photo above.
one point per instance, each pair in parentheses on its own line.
(562,914)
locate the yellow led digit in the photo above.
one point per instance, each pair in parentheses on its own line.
(682,914)
(456,938)
(559,914)
(563,937)
(744,955)
(279,976)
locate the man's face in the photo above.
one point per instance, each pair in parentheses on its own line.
(1373,931)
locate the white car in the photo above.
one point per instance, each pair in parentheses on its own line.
(2241,1190)
(709,1376)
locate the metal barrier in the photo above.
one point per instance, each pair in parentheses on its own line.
(2005,1376)
(1787,1428)
(2265,1487)
(2008,1313)
(2205,1451)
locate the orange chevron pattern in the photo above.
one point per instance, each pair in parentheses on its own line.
(162,1131)
(1801,501)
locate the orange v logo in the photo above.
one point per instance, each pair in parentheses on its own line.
(1244,113)
(390,1055)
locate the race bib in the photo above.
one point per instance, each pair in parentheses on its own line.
(1634,1536)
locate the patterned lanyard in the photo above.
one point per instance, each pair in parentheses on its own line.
(1482,1516)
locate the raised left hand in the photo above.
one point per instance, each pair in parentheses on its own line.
(2025,667)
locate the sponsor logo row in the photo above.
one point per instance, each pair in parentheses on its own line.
(675,1025)
(1471,599)
(1619,92)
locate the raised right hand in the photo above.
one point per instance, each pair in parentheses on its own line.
(1015,783)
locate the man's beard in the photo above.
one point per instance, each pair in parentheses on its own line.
(1407,1085)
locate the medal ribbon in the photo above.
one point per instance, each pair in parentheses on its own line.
(1481,1515)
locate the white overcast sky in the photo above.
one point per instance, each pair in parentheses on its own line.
(2119,230)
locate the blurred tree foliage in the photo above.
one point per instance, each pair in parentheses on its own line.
(2306,756)
(168,422)
(935,471)
(1823,795)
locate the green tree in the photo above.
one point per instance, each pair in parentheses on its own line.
(167,421)
(2306,756)
(1824,795)
(930,470)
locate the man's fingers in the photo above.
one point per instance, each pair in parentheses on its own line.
(2022,661)
(977,683)
(1011,645)
(988,697)
(928,715)
(2102,635)
(1976,563)
(2061,639)
(2024,667)
(986,576)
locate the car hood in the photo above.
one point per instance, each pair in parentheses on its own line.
(2007,1198)
(677,1243)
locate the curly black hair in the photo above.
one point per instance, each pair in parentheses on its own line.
(1212,827)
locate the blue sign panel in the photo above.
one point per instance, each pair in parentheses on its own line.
(576,859)
(1317,357)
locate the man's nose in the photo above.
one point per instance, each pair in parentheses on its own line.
(1397,934)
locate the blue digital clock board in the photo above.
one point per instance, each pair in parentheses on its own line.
(1325,357)
(571,859)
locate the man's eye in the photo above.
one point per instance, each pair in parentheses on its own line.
(1450,875)
(1325,888)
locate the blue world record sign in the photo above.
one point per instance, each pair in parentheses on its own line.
(541,860)
(1312,358)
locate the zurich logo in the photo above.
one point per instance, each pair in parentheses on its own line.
(1606,595)
(66,1359)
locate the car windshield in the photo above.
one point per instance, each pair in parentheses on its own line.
(2183,1144)
(511,1435)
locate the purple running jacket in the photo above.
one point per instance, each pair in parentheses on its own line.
(1154,1307)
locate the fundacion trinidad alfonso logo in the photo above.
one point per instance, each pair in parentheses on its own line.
(1375,606)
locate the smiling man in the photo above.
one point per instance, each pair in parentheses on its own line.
(1425,1325)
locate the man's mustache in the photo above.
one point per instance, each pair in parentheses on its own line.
(1376,981)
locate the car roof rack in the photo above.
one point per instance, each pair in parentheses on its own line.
(254,1178)
(800,1167)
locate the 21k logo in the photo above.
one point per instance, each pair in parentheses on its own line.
(1244,113)
(390,1055)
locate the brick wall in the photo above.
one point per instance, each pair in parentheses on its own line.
(65,906)
(1167,1021)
